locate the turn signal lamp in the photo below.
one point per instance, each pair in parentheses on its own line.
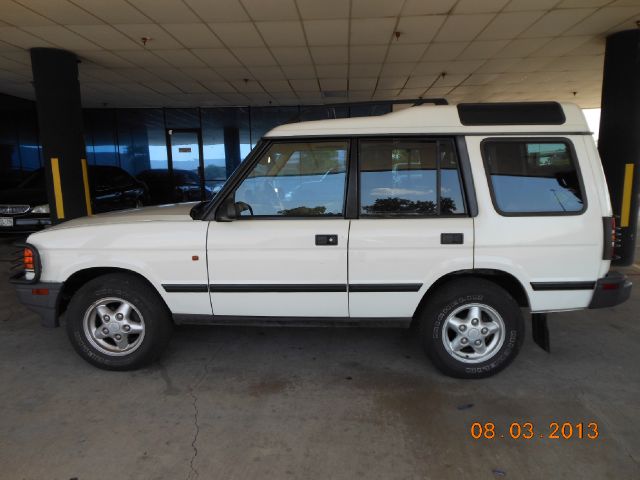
(28,260)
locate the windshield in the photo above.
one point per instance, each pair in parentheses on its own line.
(34,181)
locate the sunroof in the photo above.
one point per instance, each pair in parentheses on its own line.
(520,113)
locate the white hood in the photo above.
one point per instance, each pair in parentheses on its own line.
(177,212)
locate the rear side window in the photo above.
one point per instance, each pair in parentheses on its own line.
(409,177)
(529,177)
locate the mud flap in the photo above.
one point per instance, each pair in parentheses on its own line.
(540,331)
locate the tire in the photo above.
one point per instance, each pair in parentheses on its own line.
(136,331)
(476,310)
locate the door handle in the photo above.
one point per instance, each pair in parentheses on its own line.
(451,238)
(326,240)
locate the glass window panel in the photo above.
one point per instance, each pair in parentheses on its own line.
(297,180)
(141,137)
(264,119)
(35,180)
(222,151)
(398,178)
(143,151)
(185,151)
(30,151)
(533,177)
(20,152)
(401,177)
(107,177)
(321,112)
(182,117)
(100,139)
(9,151)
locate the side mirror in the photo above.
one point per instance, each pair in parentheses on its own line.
(227,211)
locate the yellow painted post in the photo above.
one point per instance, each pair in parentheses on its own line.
(625,210)
(85,180)
(57,188)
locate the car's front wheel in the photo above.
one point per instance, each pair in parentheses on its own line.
(471,328)
(118,322)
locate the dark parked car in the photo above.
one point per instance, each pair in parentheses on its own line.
(25,208)
(183,187)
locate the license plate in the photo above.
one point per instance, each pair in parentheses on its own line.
(6,222)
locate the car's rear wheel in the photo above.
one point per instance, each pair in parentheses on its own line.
(471,328)
(118,322)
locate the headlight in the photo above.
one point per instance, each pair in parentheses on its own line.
(41,209)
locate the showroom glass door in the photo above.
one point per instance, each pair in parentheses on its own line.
(187,169)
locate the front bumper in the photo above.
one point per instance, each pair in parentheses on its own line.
(613,289)
(42,298)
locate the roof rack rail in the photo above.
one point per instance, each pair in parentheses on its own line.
(421,101)
(330,107)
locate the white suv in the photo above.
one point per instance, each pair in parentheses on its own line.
(449,218)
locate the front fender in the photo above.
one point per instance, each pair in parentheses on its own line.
(161,252)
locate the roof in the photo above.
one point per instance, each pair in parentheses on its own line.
(427,119)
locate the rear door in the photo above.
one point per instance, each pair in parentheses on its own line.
(537,222)
(413,224)
(286,254)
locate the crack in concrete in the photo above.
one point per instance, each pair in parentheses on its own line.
(193,472)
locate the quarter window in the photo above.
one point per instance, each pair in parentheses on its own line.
(533,177)
(296,180)
(409,178)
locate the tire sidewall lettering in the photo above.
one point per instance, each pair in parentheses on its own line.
(450,298)
(448,308)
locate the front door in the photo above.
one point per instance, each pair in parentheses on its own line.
(186,165)
(286,253)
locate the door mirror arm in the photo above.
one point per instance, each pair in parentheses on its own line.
(227,211)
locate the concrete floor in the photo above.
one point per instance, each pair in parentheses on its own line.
(252,403)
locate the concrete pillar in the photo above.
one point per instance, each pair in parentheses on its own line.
(55,78)
(619,140)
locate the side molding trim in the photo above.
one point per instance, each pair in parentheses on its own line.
(190,319)
(292,288)
(546,286)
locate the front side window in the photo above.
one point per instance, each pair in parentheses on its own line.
(296,180)
(408,177)
(533,177)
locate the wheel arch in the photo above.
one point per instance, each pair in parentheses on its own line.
(501,278)
(81,277)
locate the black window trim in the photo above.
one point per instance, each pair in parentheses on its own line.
(468,186)
(352,196)
(438,139)
(574,159)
